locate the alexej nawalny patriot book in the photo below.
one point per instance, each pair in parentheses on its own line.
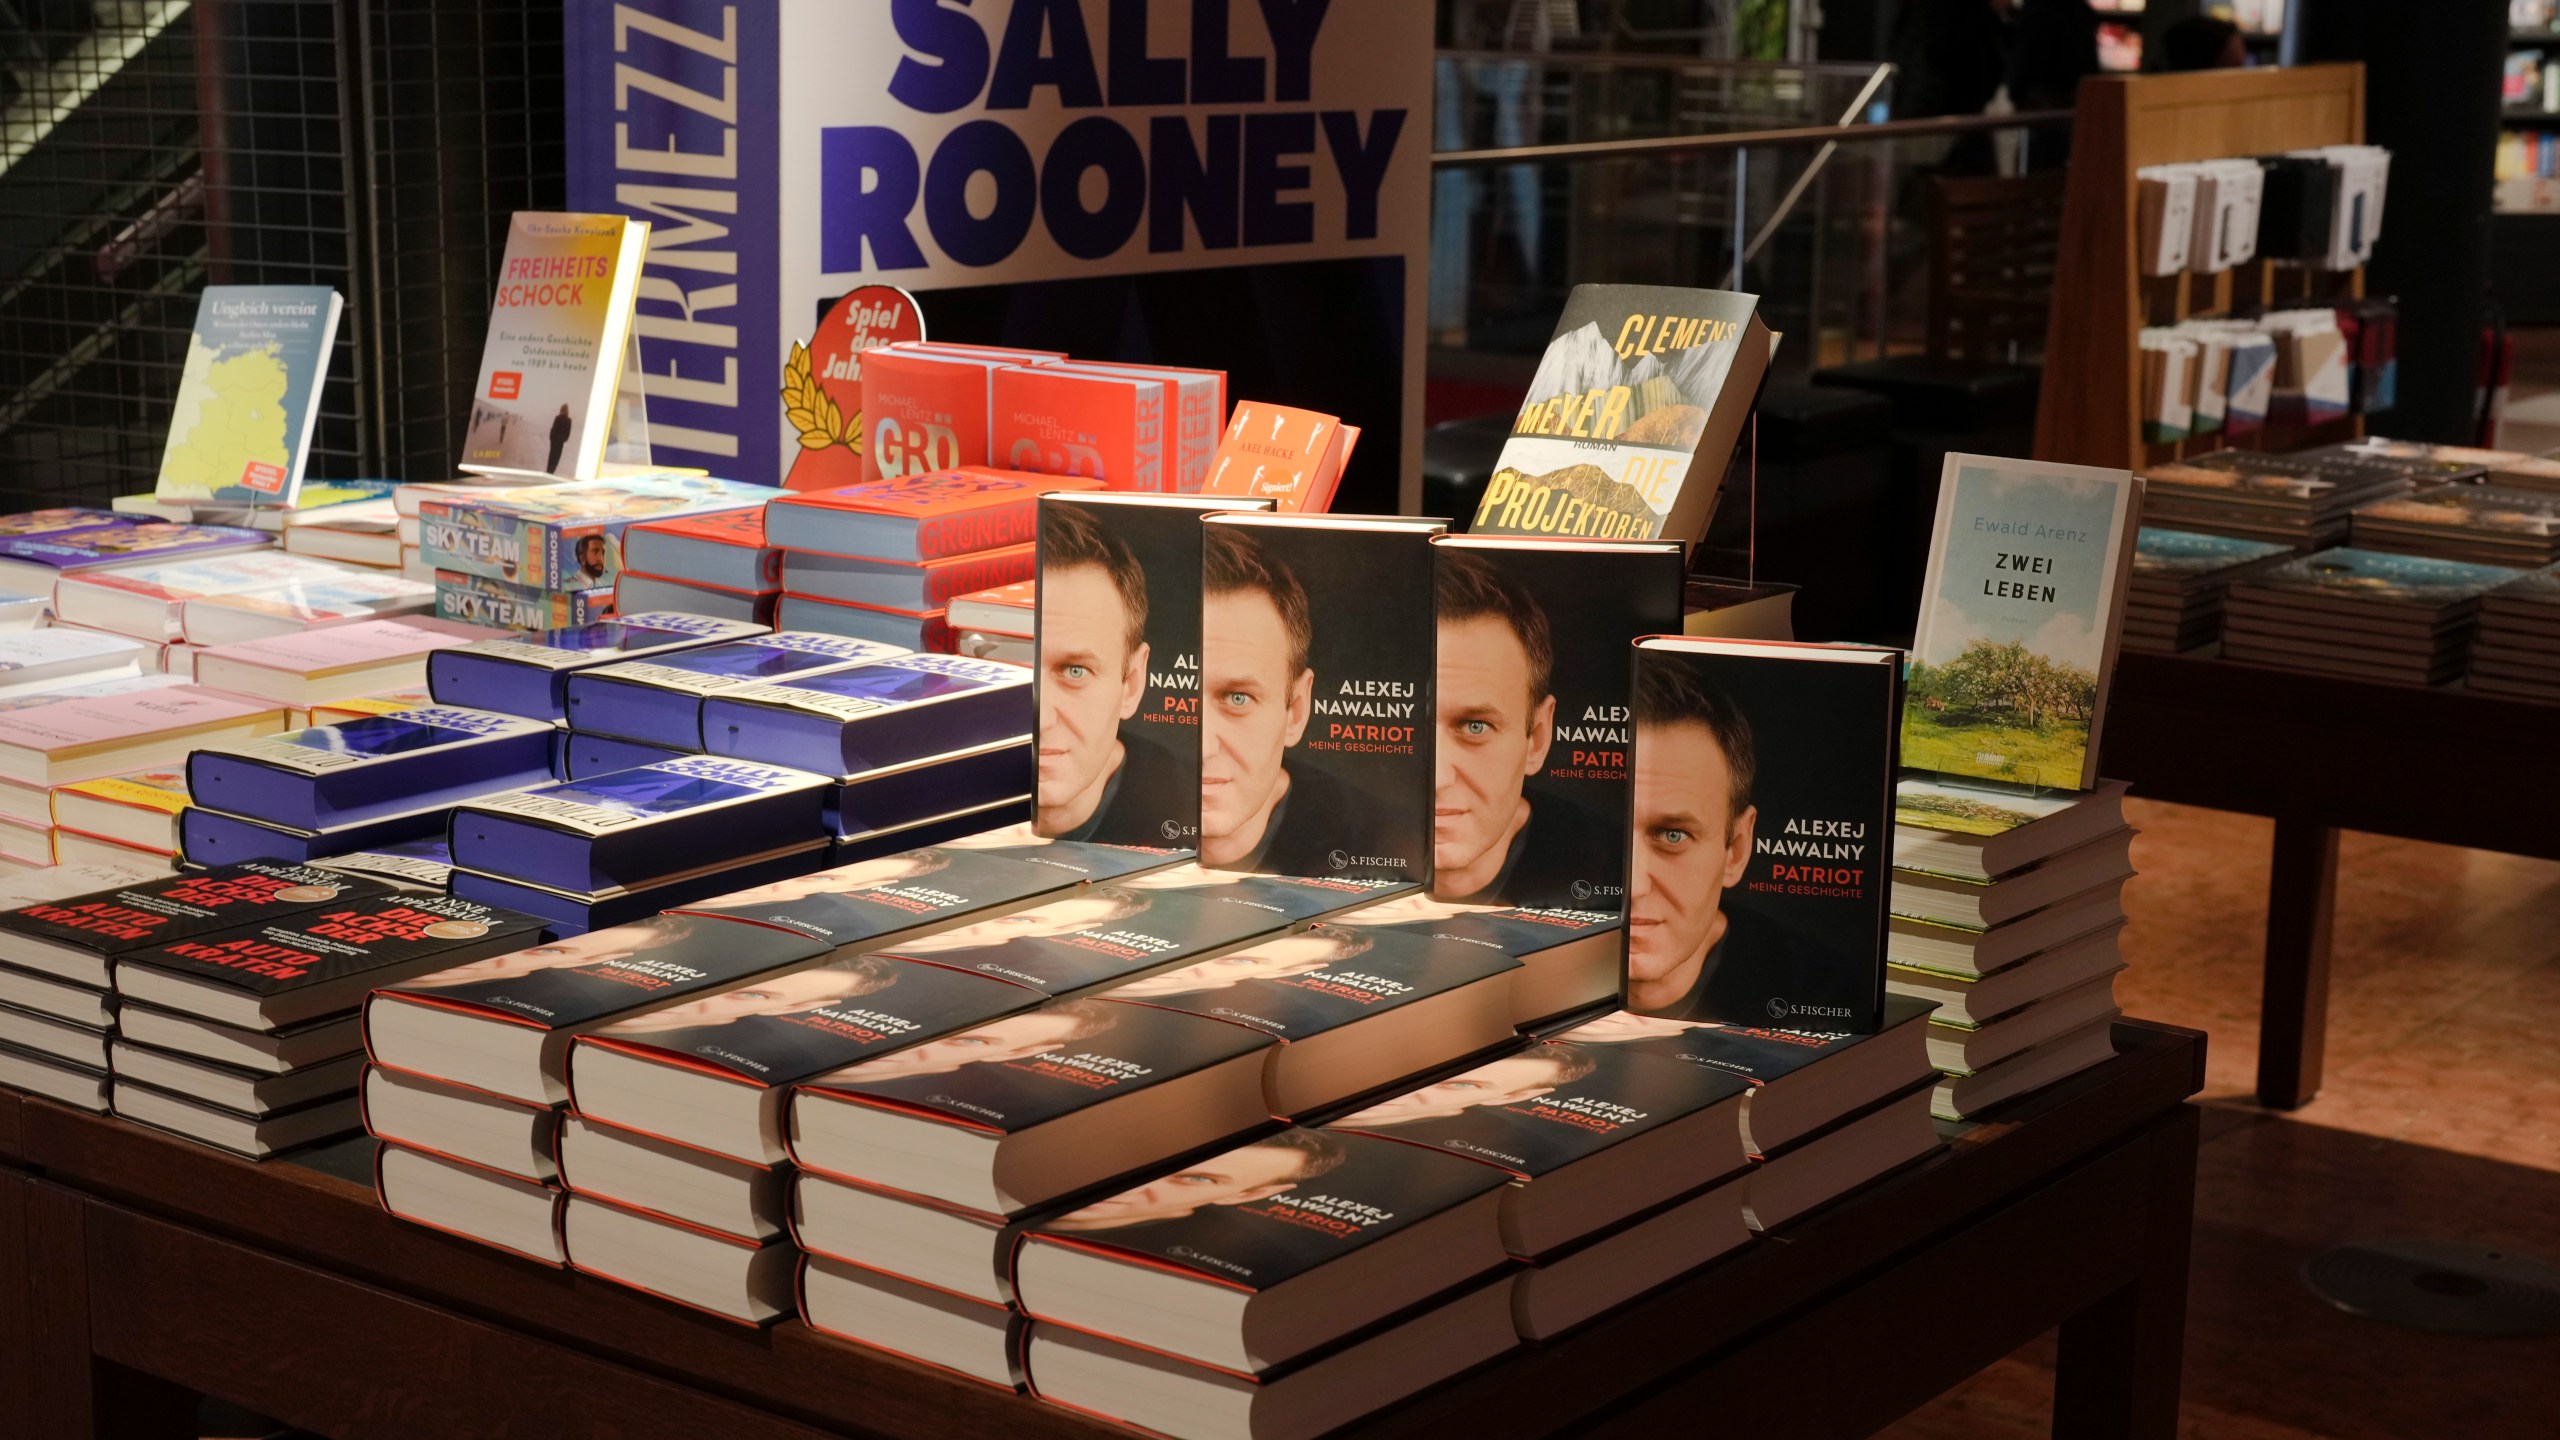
(1118,666)
(2019,618)
(256,363)
(1631,418)
(1761,856)
(1317,650)
(557,328)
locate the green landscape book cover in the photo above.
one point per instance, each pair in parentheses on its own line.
(2019,616)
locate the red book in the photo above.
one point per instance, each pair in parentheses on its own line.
(931,407)
(1195,407)
(1063,420)
(915,518)
(1004,610)
(926,585)
(726,550)
(1272,452)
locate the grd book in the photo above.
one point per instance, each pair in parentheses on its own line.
(1117,666)
(1631,418)
(1762,848)
(1317,658)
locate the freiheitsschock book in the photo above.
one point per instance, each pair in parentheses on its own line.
(1631,418)
(1763,822)
(249,396)
(1317,663)
(2019,617)
(561,319)
(1117,666)
(1536,660)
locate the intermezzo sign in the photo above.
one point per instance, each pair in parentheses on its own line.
(788,151)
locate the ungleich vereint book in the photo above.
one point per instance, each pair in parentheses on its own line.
(1632,416)
(249,396)
(2019,617)
(544,402)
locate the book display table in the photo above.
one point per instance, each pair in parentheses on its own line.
(138,1272)
(2319,755)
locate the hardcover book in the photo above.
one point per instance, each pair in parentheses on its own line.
(726,550)
(2186,558)
(411,864)
(38,561)
(41,662)
(1195,406)
(2021,611)
(1631,418)
(903,585)
(1096,938)
(2345,580)
(309,667)
(931,407)
(76,937)
(342,599)
(479,600)
(557,331)
(1570,959)
(844,722)
(257,361)
(129,729)
(659,701)
(140,809)
(1062,420)
(1117,661)
(1291,458)
(1536,663)
(561,537)
(920,517)
(630,827)
(1317,658)
(148,600)
(320,961)
(377,765)
(1763,810)
(912,890)
(635,594)
(530,677)
(60,521)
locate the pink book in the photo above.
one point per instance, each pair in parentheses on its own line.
(317,667)
(98,735)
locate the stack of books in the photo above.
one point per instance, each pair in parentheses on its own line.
(638,712)
(471,1078)
(2174,602)
(126,821)
(182,606)
(2517,652)
(40,549)
(2360,613)
(884,559)
(113,728)
(305,668)
(718,565)
(996,624)
(2007,912)
(2292,501)
(366,531)
(2482,524)
(544,557)
(55,1026)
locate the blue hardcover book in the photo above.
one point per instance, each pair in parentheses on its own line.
(412,864)
(631,827)
(582,755)
(530,677)
(363,769)
(209,837)
(898,795)
(872,716)
(574,913)
(955,826)
(660,701)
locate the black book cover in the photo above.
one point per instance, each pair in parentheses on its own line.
(857,903)
(1518,932)
(1131,932)
(1545,1107)
(1083,859)
(1117,666)
(809,1022)
(1287,897)
(181,907)
(1536,668)
(1761,860)
(1276,1209)
(1316,673)
(334,941)
(1324,977)
(1757,1054)
(588,977)
(1111,1050)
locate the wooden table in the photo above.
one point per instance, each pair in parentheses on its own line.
(2319,755)
(142,1272)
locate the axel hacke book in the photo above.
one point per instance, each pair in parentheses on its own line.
(249,396)
(890,712)
(1534,672)
(2020,613)
(319,961)
(916,518)
(561,317)
(374,766)
(1317,663)
(1632,417)
(659,701)
(36,562)
(630,827)
(565,537)
(1117,661)
(1763,813)
(148,601)
(78,937)
(530,676)
(1291,458)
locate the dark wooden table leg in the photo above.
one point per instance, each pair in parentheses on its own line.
(2293,1018)
(2119,1364)
(17,1313)
(74,1394)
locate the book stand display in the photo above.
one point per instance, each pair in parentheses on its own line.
(2102,301)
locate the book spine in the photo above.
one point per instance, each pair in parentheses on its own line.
(995,528)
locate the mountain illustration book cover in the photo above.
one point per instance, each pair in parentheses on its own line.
(249,396)
(1631,417)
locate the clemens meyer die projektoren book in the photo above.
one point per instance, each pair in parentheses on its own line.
(1763,799)
(249,396)
(566,289)
(1536,656)
(1118,666)
(1316,671)
(2019,616)
(1632,416)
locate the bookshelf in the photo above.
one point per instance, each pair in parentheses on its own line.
(2090,412)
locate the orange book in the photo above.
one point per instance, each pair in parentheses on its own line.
(1064,420)
(914,518)
(1195,407)
(1273,452)
(930,407)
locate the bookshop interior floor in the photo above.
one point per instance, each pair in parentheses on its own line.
(2439,1118)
